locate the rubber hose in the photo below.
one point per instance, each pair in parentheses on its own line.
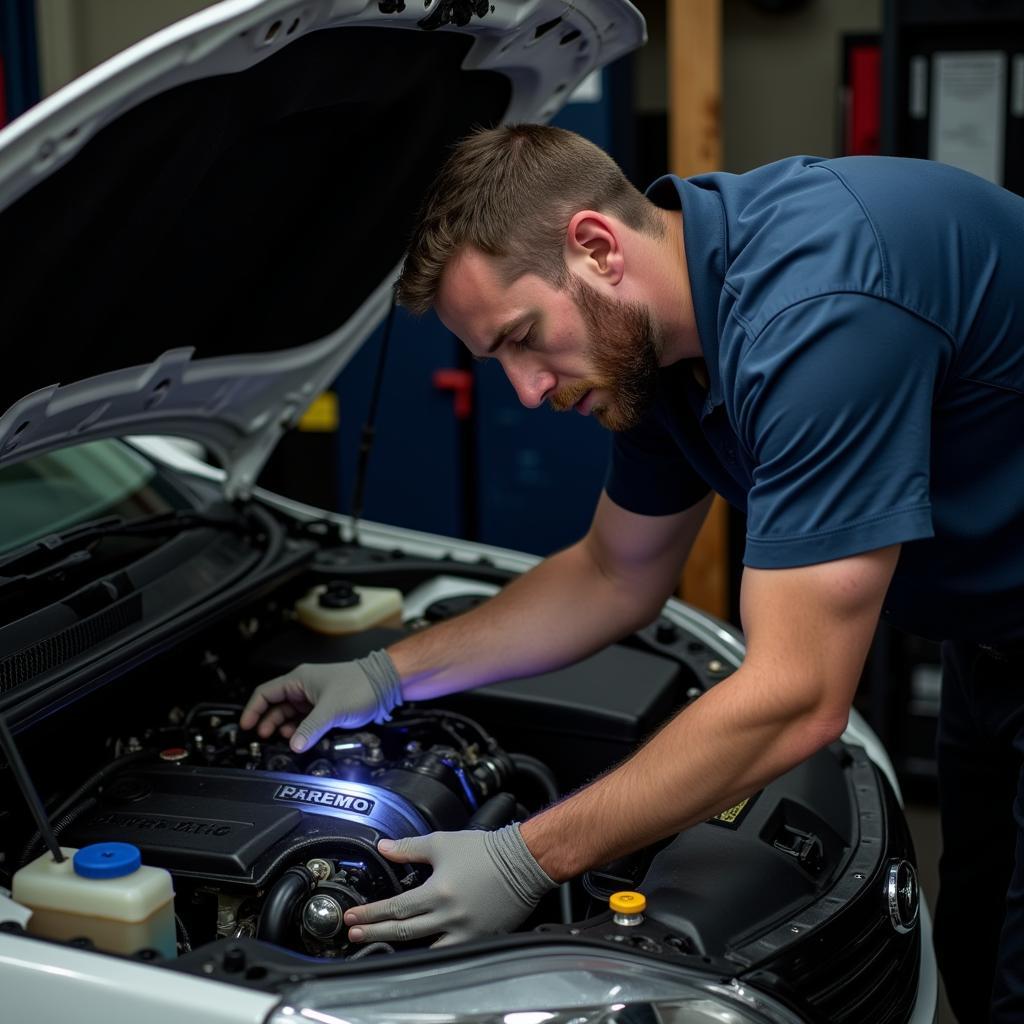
(545,778)
(36,845)
(539,772)
(90,783)
(282,900)
(493,813)
(373,947)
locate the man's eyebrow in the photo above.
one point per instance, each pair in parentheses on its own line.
(507,329)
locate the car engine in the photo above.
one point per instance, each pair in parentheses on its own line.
(267,848)
(267,843)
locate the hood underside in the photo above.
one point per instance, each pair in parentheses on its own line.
(200,233)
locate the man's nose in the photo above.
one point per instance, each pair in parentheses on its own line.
(532,385)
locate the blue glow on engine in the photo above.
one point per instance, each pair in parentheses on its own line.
(460,774)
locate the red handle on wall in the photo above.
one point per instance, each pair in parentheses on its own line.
(460,383)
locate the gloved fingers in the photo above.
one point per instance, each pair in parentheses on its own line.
(287,688)
(414,850)
(396,908)
(404,930)
(399,919)
(275,718)
(330,710)
(321,717)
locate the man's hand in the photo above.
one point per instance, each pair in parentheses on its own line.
(345,694)
(482,883)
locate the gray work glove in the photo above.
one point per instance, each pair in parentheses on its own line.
(483,883)
(344,694)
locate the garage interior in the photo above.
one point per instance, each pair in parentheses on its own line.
(721,85)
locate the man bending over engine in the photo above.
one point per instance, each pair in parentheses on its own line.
(837,348)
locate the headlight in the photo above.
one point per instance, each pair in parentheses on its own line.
(559,986)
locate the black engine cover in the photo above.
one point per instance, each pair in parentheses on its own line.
(235,825)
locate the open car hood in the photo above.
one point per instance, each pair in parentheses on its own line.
(199,233)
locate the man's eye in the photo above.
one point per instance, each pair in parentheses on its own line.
(525,341)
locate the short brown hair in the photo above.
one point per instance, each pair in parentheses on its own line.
(510,192)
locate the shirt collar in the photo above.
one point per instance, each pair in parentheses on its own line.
(705,242)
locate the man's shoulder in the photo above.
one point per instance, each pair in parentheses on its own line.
(867,226)
(795,230)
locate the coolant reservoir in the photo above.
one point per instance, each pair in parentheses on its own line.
(339,607)
(101,892)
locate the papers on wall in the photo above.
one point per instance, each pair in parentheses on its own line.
(969,111)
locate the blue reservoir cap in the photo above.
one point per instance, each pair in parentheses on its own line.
(107,860)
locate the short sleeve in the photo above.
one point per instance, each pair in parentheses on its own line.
(649,474)
(834,401)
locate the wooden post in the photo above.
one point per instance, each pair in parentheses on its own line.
(694,86)
(694,146)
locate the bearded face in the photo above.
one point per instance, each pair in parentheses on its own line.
(623,347)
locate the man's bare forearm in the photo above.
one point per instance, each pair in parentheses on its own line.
(562,610)
(717,752)
(808,631)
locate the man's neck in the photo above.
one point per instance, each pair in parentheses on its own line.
(671,298)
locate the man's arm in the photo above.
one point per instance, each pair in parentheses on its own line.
(808,632)
(611,582)
(608,584)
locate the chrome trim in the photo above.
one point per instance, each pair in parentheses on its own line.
(901,882)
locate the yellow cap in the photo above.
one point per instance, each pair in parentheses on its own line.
(627,902)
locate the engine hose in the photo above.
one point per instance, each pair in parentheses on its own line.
(274,532)
(493,813)
(537,770)
(373,947)
(184,940)
(209,708)
(91,783)
(442,713)
(34,846)
(281,903)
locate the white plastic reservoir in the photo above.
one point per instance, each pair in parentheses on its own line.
(339,607)
(101,892)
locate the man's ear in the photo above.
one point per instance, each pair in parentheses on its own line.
(593,247)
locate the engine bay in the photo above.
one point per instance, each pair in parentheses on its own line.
(268,848)
(266,843)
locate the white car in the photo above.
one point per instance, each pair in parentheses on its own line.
(197,236)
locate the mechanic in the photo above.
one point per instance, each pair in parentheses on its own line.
(837,348)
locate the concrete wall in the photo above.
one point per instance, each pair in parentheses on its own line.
(75,35)
(781,77)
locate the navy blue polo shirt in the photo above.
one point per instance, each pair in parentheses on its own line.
(862,324)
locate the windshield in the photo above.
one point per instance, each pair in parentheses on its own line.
(52,492)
